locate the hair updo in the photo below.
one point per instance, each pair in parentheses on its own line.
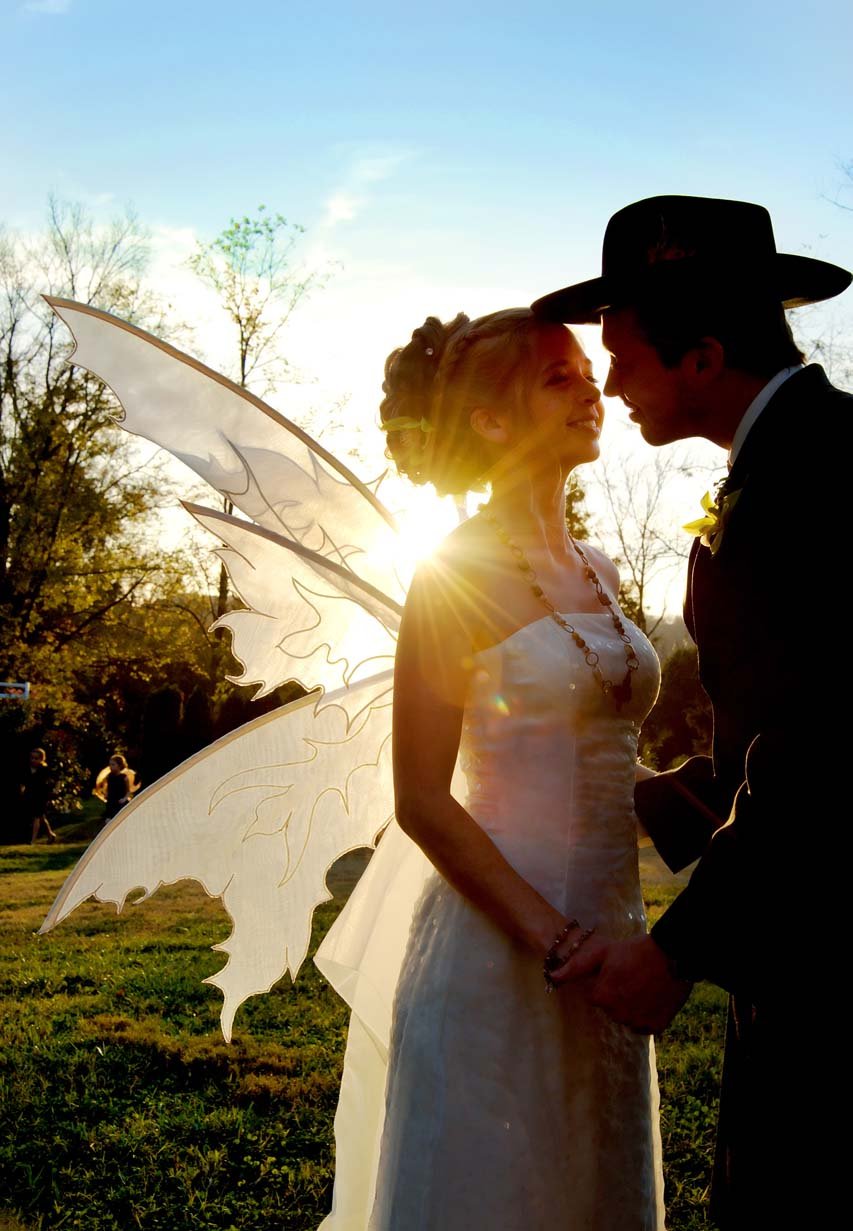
(446,371)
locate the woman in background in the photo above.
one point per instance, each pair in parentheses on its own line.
(36,794)
(115,785)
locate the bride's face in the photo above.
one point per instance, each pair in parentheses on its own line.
(564,411)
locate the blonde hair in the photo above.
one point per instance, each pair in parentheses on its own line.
(434,382)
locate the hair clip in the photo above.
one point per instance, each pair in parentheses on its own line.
(404,423)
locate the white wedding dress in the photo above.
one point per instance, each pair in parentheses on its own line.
(495,1105)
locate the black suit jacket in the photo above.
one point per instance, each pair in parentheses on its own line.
(775,642)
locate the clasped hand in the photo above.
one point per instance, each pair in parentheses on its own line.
(631,980)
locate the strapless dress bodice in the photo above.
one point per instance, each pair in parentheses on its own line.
(549,762)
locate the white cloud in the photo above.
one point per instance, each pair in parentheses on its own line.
(352,194)
(341,207)
(374,167)
(46,6)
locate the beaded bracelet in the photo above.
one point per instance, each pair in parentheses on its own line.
(553,959)
(559,938)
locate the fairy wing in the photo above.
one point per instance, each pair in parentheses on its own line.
(259,817)
(267,466)
(306,617)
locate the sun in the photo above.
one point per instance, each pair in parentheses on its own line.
(423,524)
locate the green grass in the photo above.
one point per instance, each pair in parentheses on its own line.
(121,1106)
(690,1058)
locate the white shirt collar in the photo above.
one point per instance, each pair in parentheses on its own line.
(755,408)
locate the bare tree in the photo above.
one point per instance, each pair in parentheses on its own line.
(647,545)
(251,267)
(833,349)
(846,187)
(826,333)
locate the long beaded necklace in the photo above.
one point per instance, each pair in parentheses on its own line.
(620,693)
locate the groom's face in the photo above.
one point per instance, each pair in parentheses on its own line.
(658,398)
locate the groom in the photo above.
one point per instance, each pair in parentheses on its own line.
(691,302)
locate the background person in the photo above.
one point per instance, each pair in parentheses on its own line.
(116,785)
(36,794)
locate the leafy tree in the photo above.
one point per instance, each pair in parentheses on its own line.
(576,515)
(251,267)
(73,497)
(157,644)
(680,724)
(161,733)
(240,706)
(80,568)
(197,726)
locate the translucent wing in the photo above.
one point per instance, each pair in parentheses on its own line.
(307,618)
(270,469)
(259,817)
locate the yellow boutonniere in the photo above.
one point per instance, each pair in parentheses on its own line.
(712,525)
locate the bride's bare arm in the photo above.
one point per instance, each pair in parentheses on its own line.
(434,662)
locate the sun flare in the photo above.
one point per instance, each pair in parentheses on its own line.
(423,524)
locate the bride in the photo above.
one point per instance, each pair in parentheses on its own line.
(470,1097)
(506,1107)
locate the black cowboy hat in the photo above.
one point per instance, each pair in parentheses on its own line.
(677,244)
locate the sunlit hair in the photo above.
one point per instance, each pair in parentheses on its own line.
(445,372)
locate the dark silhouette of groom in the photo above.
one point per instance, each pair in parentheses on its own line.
(691,301)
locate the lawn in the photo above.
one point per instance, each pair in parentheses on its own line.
(121,1106)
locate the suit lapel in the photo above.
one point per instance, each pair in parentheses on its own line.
(689,613)
(765,442)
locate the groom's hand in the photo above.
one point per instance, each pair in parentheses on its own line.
(585,964)
(632,981)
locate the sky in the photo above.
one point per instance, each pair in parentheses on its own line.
(445,157)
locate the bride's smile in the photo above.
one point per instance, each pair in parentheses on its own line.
(564,402)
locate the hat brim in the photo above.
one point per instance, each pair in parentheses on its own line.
(794,280)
